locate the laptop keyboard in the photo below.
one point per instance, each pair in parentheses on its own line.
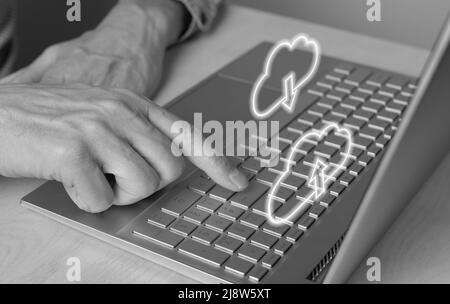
(229,230)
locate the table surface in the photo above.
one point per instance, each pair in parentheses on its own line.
(34,248)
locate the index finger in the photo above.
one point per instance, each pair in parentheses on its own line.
(219,168)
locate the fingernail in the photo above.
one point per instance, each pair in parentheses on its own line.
(238,179)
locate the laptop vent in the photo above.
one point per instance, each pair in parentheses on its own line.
(325,261)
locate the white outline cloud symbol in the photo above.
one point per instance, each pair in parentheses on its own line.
(309,199)
(288,81)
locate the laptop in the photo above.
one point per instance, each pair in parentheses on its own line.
(400,131)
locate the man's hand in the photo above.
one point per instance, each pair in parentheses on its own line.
(125,51)
(77,134)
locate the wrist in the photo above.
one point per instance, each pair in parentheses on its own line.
(166,19)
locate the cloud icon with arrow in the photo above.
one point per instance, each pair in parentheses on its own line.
(320,176)
(291,86)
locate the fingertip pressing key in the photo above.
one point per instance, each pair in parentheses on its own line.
(238,179)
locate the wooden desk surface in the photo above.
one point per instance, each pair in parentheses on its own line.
(34,249)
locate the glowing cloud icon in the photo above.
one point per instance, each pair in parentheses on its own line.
(291,87)
(320,177)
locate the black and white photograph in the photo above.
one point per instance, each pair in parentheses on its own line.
(258,143)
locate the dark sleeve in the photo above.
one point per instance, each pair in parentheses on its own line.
(202,15)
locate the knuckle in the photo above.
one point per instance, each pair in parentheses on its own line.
(94,127)
(71,152)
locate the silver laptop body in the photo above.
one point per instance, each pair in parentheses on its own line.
(325,244)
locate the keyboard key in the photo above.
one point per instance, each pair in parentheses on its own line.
(277,231)
(380,99)
(365,160)
(354,123)
(337,95)
(267,177)
(358,76)
(299,127)
(240,231)
(318,90)
(363,114)
(336,76)
(397,82)
(368,88)
(238,266)
(160,219)
(205,235)
(344,68)
(305,222)
(359,96)
(345,87)
(227,243)
(183,227)
(387,91)
(325,151)
(396,107)
(251,252)
(263,240)
(196,215)
(203,252)
(390,117)
(220,193)
(327,102)
(378,78)
(382,142)
(230,212)
(246,198)
(355,152)
(270,260)
(336,189)
(257,273)
(288,136)
(327,200)
(342,111)
(282,194)
(209,204)
(294,234)
(253,220)
(372,106)
(335,141)
(317,210)
(158,235)
(379,124)
(327,83)
(356,169)
(252,164)
(346,179)
(282,247)
(370,133)
(290,206)
(374,150)
(201,185)
(402,99)
(361,142)
(217,223)
(302,170)
(308,119)
(293,182)
(305,148)
(180,202)
(260,205)
(318,110)
(351,103)
(330,117)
